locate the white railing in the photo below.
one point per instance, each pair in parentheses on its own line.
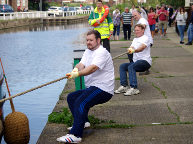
(40,14)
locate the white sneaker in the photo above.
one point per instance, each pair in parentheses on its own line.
(69,138)
(131,91)
(86,125)
(121,89)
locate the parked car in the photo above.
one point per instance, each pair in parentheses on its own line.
(71,9)
(83,8)
(6,8)
(65,8)
(55,10)
(89,8)
(78,9)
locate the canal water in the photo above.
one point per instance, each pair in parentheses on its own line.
(33,56)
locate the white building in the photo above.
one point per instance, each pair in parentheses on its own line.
(188,3)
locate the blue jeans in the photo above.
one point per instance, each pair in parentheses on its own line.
(152,27)
(190,33)
(132,68)
(116,29)
(80,102)
(181,29)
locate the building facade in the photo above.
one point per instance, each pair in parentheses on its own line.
(188,2)
(18,5)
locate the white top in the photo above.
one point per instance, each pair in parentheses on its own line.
(132,10)
(181,18)
(143,13)
(102,78)
(147,29)
(145,54)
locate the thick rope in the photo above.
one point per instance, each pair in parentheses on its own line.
(32,89)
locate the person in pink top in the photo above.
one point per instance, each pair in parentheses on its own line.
(152,21)
(163,20)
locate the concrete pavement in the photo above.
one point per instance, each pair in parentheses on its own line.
(161,113)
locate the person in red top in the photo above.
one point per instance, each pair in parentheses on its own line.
(152,21)
(163,20)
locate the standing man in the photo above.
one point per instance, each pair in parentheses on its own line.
(190,28)
(97,67)
(126,19)
(163,20)
(171,11)
(105,28)
(141,61)
(144,22)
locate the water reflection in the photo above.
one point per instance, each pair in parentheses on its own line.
(44,27)
(36,55)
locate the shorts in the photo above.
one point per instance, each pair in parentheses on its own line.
(152,27)
(163,24)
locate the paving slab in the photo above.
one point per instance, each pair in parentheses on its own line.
(158,134)
(174,66)
(171,134)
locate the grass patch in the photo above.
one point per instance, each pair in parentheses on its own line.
(154,57)
(145,79)
(162,92)
(65,117)
(123,47)
(172,112)
(165,76)
(117,78)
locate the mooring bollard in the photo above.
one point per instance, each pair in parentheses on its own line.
(79,81)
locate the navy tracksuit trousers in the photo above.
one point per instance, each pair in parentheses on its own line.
(80,102)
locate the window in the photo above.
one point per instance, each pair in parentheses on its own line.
(23,4)
(18,2)
(2,1)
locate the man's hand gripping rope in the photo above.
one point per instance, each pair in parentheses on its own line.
(131,50)
(73,74)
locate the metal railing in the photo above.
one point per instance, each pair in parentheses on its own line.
(40,14)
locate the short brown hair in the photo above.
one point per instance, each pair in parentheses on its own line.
(100,1)
(141,26)
(96,33)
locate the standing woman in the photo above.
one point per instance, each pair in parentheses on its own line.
(152,21)
(181,23)
(116,23)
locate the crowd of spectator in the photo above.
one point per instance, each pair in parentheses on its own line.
(159,19)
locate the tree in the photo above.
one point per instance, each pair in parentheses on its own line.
(174,3)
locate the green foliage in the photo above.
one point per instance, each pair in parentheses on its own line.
(174,3)
(33,6)
(94,121)
(46,5)
(64,117)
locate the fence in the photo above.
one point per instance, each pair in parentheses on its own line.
(40,14)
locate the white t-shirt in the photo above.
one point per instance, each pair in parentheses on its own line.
(145,54)
(147,29)
(102,78)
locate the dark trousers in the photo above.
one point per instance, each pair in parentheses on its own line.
(127,31)
(106,44)
(170,22)
(130,57)
(80,102)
